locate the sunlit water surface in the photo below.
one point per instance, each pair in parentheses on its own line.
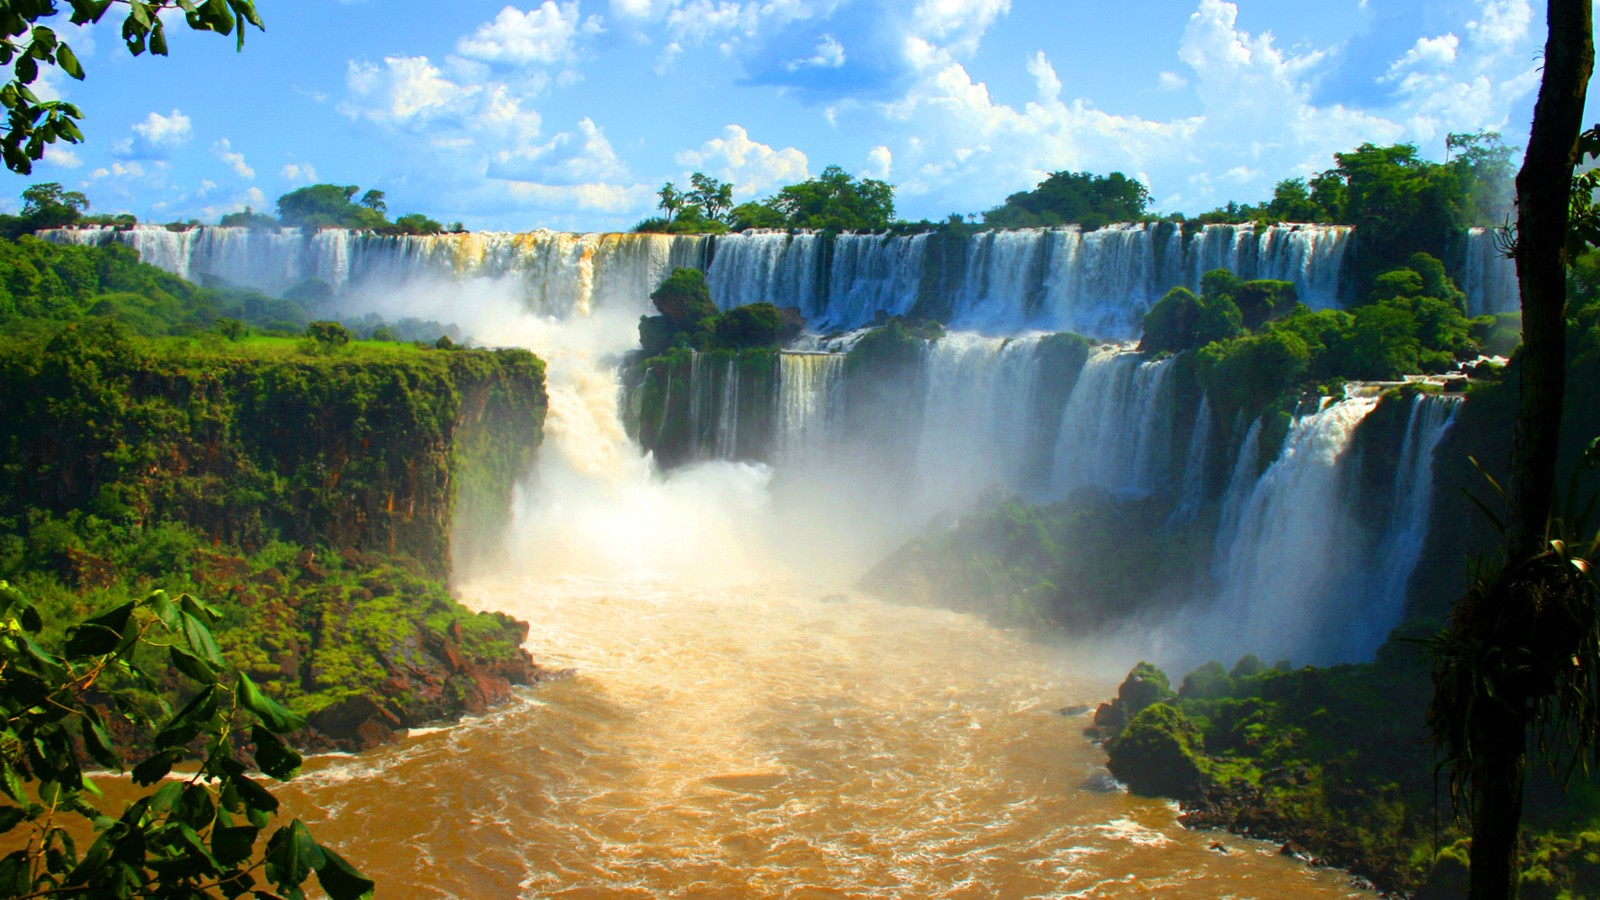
(769,741)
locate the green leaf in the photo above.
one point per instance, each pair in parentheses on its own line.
(11,817)
(156,767)
(292,855)
(187,723)
(198,636)
(192,666)
(100,634)
(341,880)
(273,756)
(233,845)
(158,39)
(272,715)
(97,741)
(255,797)
(162,607)
(138,12)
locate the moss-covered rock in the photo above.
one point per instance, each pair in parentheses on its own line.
(1158,753)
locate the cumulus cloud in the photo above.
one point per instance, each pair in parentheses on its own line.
(545,35)
(879,163)
(752,167)
(570,158)
(62,157)
(224,151)
(154,138)
(1257,120)
(298,173)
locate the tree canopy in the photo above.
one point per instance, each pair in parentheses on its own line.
(1074,197)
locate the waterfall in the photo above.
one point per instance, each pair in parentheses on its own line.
(872,273)
(1429,421)
(770,266)
(1098,283)
(1489,277)
(808,405)
(1292,557)
(555,274)
(1116,430)
(977,421)
(1192,493)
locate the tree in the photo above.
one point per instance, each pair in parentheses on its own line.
(1483,162)
(48,205)
(836,199)
(417,223)
(1520,648)
(25,45)
(713,197)
(1074,197)
(249,218)
(194,836)
(671,199)
(327,206)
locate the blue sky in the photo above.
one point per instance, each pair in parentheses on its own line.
(569,114)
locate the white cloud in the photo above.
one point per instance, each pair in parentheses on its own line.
(63,157)
(879,163)
(298,173)
(581,156)
(225,152)
(752,167)
(1172,81)
(828,55)
(154,138)
(164,131)
(544,35)
(957,25)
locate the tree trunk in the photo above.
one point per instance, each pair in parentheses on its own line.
(1543,189)
(1497,770)
(1544,185)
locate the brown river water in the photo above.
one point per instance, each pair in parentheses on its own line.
(765,740)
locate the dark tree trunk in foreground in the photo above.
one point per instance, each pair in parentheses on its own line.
(1544,185)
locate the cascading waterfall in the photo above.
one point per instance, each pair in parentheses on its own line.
(1290,558)
(1489,277)
(1116,429)
(772,267)
(555,274)
(1097,283)
(870,273)
(1429,421)
(977,421)
(979,413)
(808,405)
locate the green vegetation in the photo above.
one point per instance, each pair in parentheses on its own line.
(1074,566)
(1089,200)
(689,319)
(1256,348)
(28,47)
(195,836)
(833,201)
(1333,761)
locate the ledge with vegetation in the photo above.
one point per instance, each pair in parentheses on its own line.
(308,487)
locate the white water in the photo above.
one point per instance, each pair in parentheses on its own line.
(1286,573)
(1427,424)
(1489,278)
(1099,283)
(1116,430)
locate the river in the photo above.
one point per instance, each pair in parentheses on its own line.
(771,740)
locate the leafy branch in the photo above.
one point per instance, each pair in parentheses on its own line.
(194,836)
(26,46)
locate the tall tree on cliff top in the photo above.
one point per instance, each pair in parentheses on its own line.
(1523,646)
(26,46)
